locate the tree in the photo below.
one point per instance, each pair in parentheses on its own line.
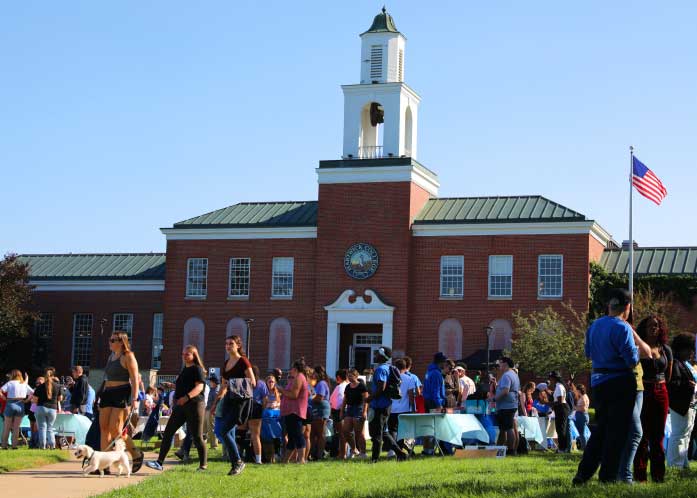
(17,314)
(547,340)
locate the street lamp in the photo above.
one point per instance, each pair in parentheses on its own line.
(249,322)
(488,329)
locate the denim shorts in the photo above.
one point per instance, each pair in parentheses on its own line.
(354,411)
(14,409)
(321,410)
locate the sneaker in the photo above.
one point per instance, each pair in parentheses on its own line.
(154,465)
(391,454)
(201,469)
(362,456)
(237,468)
(181,456)
(137,462)
(577,481)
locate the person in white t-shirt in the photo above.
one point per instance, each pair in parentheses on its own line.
(561,412)
(17,392)
(402,405)
(467,386)
(336,401)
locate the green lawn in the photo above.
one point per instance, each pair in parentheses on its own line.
(537,476)
(24,458)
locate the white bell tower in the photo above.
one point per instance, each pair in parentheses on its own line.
(380,113)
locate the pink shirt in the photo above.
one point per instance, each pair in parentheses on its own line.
(297,406)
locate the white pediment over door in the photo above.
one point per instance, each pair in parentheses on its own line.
(349,301)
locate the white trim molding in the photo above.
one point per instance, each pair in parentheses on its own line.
(359,311)
(97,285)
(380,174)
(531,228)
(227,233)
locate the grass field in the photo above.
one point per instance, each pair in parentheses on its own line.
(539,476)
(24,458)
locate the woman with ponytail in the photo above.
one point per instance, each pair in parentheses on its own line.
(189,407)
(46,397)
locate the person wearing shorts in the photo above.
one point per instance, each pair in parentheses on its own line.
(507,405)
(354,413)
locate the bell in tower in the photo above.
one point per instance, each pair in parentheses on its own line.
(380,112)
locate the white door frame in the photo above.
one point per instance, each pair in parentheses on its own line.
(359,311)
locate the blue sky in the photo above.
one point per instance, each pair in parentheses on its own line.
(119,118)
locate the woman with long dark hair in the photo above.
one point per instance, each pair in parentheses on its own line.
(236,393)
(654,411)
(46,397)
(294,411)
(119,394)
(354,412)
(190,407)
(320,412)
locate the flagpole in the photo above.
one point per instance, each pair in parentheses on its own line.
(631,237)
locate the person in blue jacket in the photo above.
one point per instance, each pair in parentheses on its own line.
(434,393)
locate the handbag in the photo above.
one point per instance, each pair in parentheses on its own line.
(239,388)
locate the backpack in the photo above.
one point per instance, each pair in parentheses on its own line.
(394,383)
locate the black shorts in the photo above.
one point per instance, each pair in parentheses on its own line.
(256,411)
(505,418)
(308,420)
(115,397)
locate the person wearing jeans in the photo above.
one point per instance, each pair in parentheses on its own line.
(581,420)
(16,392)
(381,404)
(46,397)
(634,433)
(681,394)
(611,344)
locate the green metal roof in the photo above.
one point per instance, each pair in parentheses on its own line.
(257,214)
(652,260)
(513,209)
(145,266)
(383,23)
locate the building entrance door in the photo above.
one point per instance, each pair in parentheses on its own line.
(362,350)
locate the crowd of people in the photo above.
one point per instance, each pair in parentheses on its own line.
(637,381)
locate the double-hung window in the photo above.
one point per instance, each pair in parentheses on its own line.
(157,320)
(82,339)
(282,277)
(451,276)
(239,277)
(196,277)
(550,275)
(500,276)
(123,322)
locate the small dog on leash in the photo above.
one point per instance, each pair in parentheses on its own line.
(101,460)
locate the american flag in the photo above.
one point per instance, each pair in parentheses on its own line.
(646,182)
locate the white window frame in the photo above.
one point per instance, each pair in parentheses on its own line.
(540,295)
(202,292)
(448,273)
(128,328)
(236,263)
(158,320)
(278,274)
(493,259)
(83,340)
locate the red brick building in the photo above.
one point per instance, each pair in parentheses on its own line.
(378,259)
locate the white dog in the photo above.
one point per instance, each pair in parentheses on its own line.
(100,460)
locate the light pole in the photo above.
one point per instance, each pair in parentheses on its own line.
(249,322)
(488,329)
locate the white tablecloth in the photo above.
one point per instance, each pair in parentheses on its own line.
(450,427)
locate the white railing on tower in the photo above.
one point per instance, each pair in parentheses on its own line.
(370,152)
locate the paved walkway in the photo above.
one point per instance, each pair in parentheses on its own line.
(65,480)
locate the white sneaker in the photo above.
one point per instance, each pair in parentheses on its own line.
(391,454)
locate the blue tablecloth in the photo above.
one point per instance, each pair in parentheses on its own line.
(24,424)
(449,427)
(68,424)
(528,426)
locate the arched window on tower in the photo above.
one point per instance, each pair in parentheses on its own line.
(408,132)
(501,335)
(195,334)
(279,344)
(450,338)
(372,119)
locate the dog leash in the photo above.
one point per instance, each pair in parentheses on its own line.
(122,432)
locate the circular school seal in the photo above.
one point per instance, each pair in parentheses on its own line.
(361,261)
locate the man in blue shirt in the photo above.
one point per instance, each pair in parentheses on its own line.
(381,405)
(434,393)
(611,345)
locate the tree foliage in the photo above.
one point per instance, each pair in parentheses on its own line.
(653,294)
(548,340)
(16,311)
